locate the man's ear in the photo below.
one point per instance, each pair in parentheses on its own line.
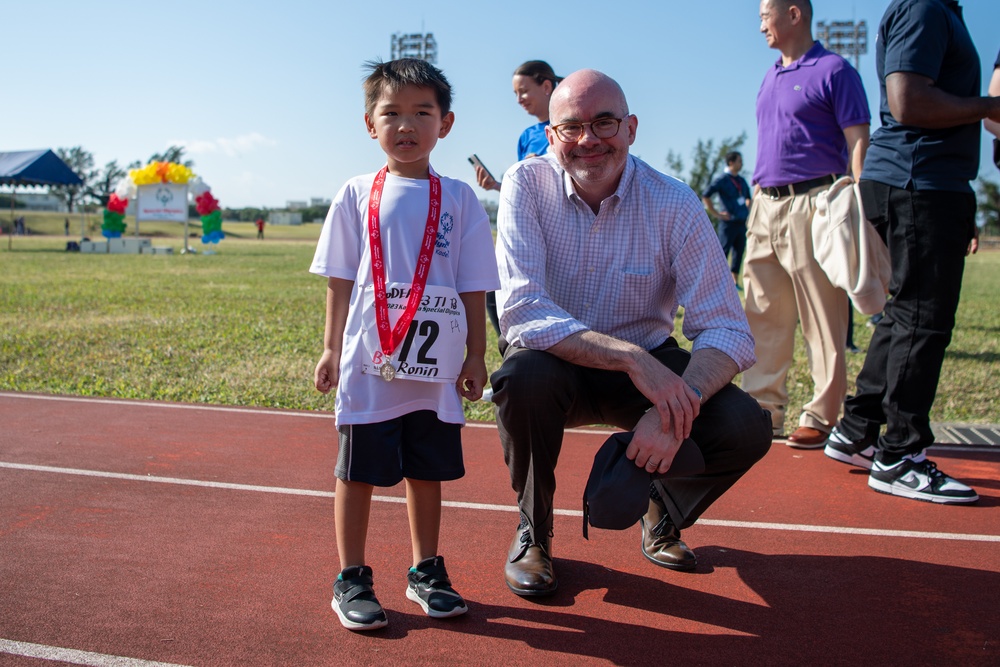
(447,121)
(550,135)
(372,132)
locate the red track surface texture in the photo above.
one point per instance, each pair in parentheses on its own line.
(192,535)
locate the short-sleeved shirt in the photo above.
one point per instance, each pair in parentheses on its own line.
(533,141)
(929,38)
(463,260)
(734,193)
(802,111)
(622,272)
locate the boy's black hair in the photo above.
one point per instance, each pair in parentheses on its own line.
(732,156)
(405,72)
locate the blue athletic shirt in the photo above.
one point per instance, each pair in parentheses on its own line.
(533,141)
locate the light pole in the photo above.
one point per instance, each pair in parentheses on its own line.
(847,38)
(415,45)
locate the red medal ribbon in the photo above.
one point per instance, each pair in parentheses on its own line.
(389,340)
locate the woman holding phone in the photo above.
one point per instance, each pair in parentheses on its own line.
(533,83)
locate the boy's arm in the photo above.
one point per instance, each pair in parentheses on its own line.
(472,379)
(338,300)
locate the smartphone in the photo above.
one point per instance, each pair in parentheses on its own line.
(476,162)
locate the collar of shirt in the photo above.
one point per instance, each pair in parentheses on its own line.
(808,59)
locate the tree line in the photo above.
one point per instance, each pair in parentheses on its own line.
(707,162)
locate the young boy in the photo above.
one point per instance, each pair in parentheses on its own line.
(397,329)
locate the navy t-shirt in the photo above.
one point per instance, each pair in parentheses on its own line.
(929,38)
(734,193)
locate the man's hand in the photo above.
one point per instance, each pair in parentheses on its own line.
(653,448)
(675,402)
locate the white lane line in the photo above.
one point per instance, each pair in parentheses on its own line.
(74,657)
(841,530)
(512,509)
(121,402)
(222,408)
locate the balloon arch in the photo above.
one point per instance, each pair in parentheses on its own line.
(164,172)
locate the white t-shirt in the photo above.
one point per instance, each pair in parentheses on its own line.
(463,260)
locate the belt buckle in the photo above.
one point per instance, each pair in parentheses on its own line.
(772,193)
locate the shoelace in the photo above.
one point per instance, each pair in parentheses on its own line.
(931,470)
(526,534)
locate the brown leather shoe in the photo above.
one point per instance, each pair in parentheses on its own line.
(529,566)
(805,437)
(661,541)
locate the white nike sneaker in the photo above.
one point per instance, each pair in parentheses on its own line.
(918,477)
(839,447)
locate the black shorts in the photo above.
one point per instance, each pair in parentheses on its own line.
(417,445)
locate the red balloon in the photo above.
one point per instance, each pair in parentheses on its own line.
(205,203)
(116,204)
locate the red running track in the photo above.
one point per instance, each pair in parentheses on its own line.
(142,534)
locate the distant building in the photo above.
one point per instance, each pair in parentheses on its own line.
(292,205)
(320,202)
(285,218)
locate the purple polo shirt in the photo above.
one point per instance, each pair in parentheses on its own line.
(802,111)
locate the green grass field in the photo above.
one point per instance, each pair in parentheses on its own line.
(244,326)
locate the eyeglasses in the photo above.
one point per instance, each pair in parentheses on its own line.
(602,128)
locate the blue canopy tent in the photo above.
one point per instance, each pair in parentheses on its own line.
(42,167)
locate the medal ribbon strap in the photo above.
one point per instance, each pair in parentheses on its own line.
(737,185)
(389,340)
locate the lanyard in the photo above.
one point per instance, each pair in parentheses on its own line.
(737,185)
(388,340)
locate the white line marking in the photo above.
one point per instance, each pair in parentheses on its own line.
(329,415)
(72,656)
(223,408)
(512,509)
(878,532)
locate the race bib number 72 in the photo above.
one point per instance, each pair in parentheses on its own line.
(433,349)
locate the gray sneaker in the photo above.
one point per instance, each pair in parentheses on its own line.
(917,477)
(429,586)
(355,602)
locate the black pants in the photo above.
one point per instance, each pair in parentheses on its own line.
(733,235)
(928,234)
(538,395)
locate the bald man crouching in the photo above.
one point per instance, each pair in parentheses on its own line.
(597,250)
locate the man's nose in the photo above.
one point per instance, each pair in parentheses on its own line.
(588,137)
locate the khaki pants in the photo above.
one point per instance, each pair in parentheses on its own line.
(784,284)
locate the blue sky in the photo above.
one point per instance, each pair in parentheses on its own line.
(267,96)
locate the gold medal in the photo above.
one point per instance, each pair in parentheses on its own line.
(387,372)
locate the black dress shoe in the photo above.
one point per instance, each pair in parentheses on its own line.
(661,541)
(529,567)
